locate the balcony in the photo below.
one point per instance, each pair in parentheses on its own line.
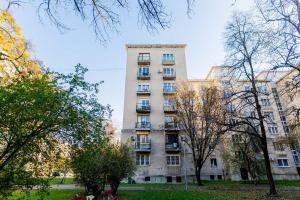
(173,147)
(144,60)
(169,76)
(143,75)
(169,90)
(168,61)
(142,125)
(171,126)
(142,146)
(170,108)
(142,108)
(144,91)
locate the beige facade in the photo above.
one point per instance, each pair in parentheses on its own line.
(152,72)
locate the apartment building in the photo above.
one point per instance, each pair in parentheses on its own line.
(149,121)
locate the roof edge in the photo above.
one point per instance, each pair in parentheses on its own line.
(155,46)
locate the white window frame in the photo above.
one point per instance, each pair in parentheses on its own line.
(213,165)
(283,166)
(139,158)
(142,87)
(168,57)
(273,130)
(171,163)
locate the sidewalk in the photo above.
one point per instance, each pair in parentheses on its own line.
(191,188)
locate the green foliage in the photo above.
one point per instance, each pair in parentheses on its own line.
(39,116)
(100,164)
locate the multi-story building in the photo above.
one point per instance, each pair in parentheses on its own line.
(149,121)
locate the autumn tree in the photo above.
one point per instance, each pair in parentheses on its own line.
(15,59)
(37,113)
(201,115)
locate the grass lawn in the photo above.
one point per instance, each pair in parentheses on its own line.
(57,180)
(171,195)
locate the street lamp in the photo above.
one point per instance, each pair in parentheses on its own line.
(183,140)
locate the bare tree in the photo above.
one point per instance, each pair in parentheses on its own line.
(104,16)
(245,47)
(200,112)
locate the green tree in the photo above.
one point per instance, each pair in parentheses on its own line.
(36,115)
(102,164)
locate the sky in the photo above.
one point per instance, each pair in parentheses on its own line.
(61,51)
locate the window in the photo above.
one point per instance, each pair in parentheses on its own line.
(168,57)
(273,130)
(278,146)
(143,71)
(169,87)
(262,89)
(248,88)
(143,118)
(147,178)
(144,57)
(212,177)
(144,102)
(230,107)
(252,114)
(225,82)
(142,139)
(169,71)
(265,102)
(228,94)
(219,177)
(291,97)
(143,87)
(173,160)
(213,163)
(282,162)
(178,179)
(142,159)
(269,117)
(169,179)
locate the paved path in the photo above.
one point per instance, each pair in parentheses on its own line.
(192,188)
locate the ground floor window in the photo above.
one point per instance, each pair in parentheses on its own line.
(147,178)
(169,179)
(142,159)
(282,162)
(173,160)
(178,179)
(219,177)
(212,177)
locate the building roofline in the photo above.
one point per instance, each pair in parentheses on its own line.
(155,46)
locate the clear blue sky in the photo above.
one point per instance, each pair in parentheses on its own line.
(61,51)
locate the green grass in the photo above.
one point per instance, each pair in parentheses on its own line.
(57,180)
(170,195)
(52,195)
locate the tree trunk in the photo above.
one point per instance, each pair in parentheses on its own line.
(198,176)
(114,187)
(273,191)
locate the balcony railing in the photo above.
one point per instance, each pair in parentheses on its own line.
(168,61)
(142,125)
(143,60)
(169,76)
(143,75)
(143,91)
(169,90)
(142,108)
(142,146)
(171,126)
(173,147)
(170,108)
